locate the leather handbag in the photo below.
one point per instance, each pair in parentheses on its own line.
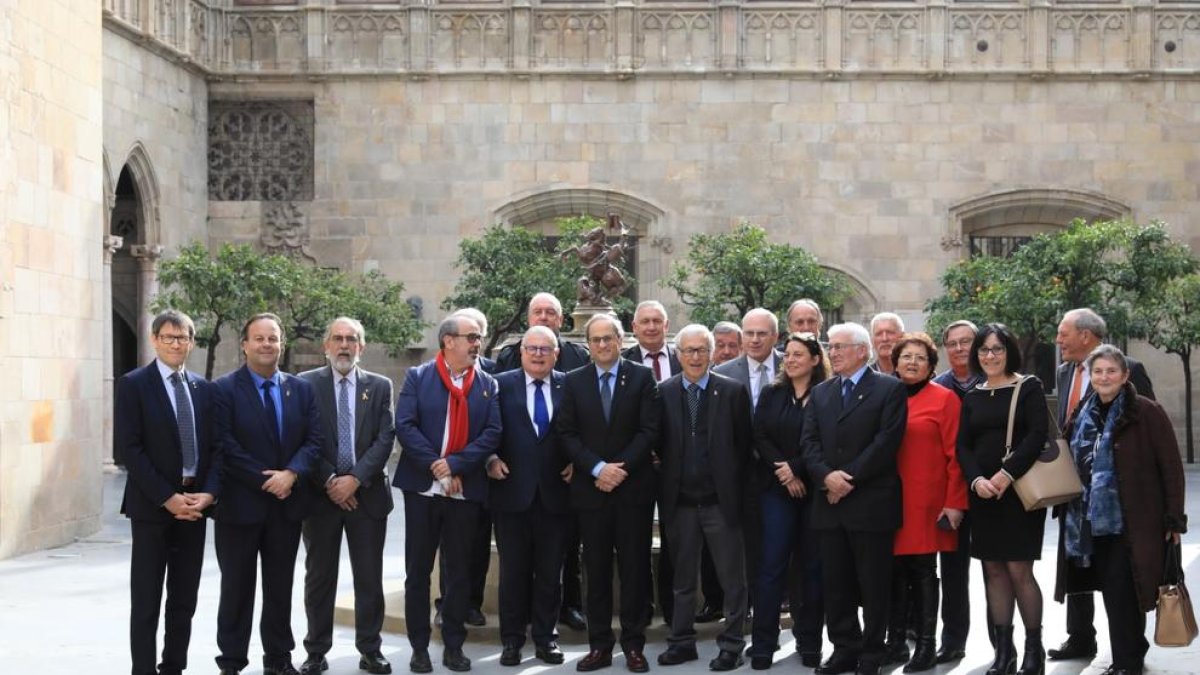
(1053,478)
(1174,620)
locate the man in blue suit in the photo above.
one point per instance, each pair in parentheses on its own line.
(163,427)
(269,433)
(529,498)
(448,424)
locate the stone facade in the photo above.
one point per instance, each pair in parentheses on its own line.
(52,412)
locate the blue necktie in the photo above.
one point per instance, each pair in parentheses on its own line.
(269,406)
(606,395)
(847,390)
(345,452)
(186,423)
(541,414)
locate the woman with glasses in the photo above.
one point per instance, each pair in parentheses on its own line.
(1005,536)
(934,498)
(787,542)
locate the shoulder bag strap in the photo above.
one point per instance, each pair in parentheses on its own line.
(1012,416)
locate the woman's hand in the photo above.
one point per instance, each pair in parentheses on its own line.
(955,517)
(795,488)
(1173,537)
(1000,481)
(984,488)
(783,472)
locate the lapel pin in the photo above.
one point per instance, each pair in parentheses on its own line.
(365,397)
(486,393)
(287,391)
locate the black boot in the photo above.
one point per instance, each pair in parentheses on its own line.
(926,601)
(896,648)
(1006,652)
(1034,660)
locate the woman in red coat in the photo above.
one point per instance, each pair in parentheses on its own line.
(935,497)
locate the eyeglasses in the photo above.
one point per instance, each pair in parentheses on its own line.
(692,352)
(537,350)
(964,343)
(174,339)
(344,339)
(602,339)
(470,337)
(992,351)
(913,358)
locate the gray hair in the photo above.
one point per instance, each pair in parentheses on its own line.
(175,318)
(725,327)
(616,323)
(543,295)
(474,315)
(811,304)
(1110,352)
(695,329)
(649,304)
(961,323)
(1086,318)
(542,331)
(763,311)
(354,324)
(858,334)
(887,316)
(449,327)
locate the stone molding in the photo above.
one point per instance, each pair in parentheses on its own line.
(624,38)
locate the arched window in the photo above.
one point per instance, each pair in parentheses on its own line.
(999,223)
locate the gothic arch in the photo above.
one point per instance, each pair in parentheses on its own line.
(544,204)
(110,192)
(1027,212)
(145,182)
(863,302)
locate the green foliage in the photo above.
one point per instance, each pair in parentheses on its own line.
(727,275)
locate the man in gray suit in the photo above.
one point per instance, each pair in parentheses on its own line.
(1080,331)
(757,366)
(356,408)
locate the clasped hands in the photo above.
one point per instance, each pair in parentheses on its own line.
(994,487)
(279,482)
(188,505)
(838,484)
(789,480)
(450,483)
(611,476)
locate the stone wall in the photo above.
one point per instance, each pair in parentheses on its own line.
(51,221)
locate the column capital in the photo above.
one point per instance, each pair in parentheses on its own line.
(111,243)
(147,251)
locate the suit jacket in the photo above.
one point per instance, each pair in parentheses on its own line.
(634,354)
(628,436)
(739,369)
(374,436)
(571,355)
(861,439)
(248,447)
(730,437)
(145,429)
(534,464)
(1066,373)
(421,413)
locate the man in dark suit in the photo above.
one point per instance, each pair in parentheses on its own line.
(706,446)
(269,431)
(448,424)
(546,310)
(352,495)
(1080,331)
(853,426)
(529,499)
(608,425)
(163,427)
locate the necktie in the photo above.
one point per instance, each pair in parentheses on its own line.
(345,451)
(269,406)
(1076,392)
(606,395)
(693,401)
(653,356)
(764,377)
(541,414)
(847,390)
(186,423)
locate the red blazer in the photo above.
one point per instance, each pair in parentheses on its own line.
(929,471)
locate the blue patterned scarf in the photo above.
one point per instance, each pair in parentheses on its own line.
(1098,511)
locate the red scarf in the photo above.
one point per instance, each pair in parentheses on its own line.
(459,424)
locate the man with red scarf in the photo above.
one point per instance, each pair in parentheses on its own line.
(448,424)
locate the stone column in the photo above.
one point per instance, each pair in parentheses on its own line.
(833,38)
(729,13)
(1038,38)
(936,45)
(147,256)
(111,244)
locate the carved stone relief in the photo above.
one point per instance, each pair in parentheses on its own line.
(1176,40)
(198,42)
(471,39)
(574,39)
(986,40)
(884,40)
(260,150)
(782,40)
(267,41)
(285,230)
(1089,40)
(678,39)
(369,39)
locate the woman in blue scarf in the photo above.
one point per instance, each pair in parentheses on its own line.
(1112,536)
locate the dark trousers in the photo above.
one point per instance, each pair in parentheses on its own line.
(790,564)
(572,567)
(663,578)
(1081,617)
(625,529)
(710,584)
(690,528)
(531,547)
(481,559)
(430,524)
(956,592)
(857,570)
(275,542)
(365,538)
(172,551)
(1126,621)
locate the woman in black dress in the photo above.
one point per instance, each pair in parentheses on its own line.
(1005,536)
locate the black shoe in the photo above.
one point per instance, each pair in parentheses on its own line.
(810,659)
(595,660)
(315,663)
(950,654)
(229,671)
(549,653)
(760,662)
(677,655)
(1073,649)
(419,663)
(510,656)
(726,660)
(709,614)
(635,661)
(895,652)
(1114,670)
(373,662)
(454,659)
(838,663)
(867,669)
(1005,662)
(475,617)
(285,669)
(1033,662)
(573,618)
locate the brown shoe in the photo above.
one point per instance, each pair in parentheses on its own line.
(595,660)
(635,661)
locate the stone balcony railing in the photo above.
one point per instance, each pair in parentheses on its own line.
(628,38)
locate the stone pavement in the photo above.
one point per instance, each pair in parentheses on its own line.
(65,611)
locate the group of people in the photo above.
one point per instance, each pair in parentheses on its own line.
(830,473)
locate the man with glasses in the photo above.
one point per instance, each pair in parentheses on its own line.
(163,431)
(853,426)
(448,424)
(529,498)
(353,496)
(608,425)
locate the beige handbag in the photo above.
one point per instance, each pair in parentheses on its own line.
(1174,620)
(1053,478)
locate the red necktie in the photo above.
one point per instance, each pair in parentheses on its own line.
(653,356)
